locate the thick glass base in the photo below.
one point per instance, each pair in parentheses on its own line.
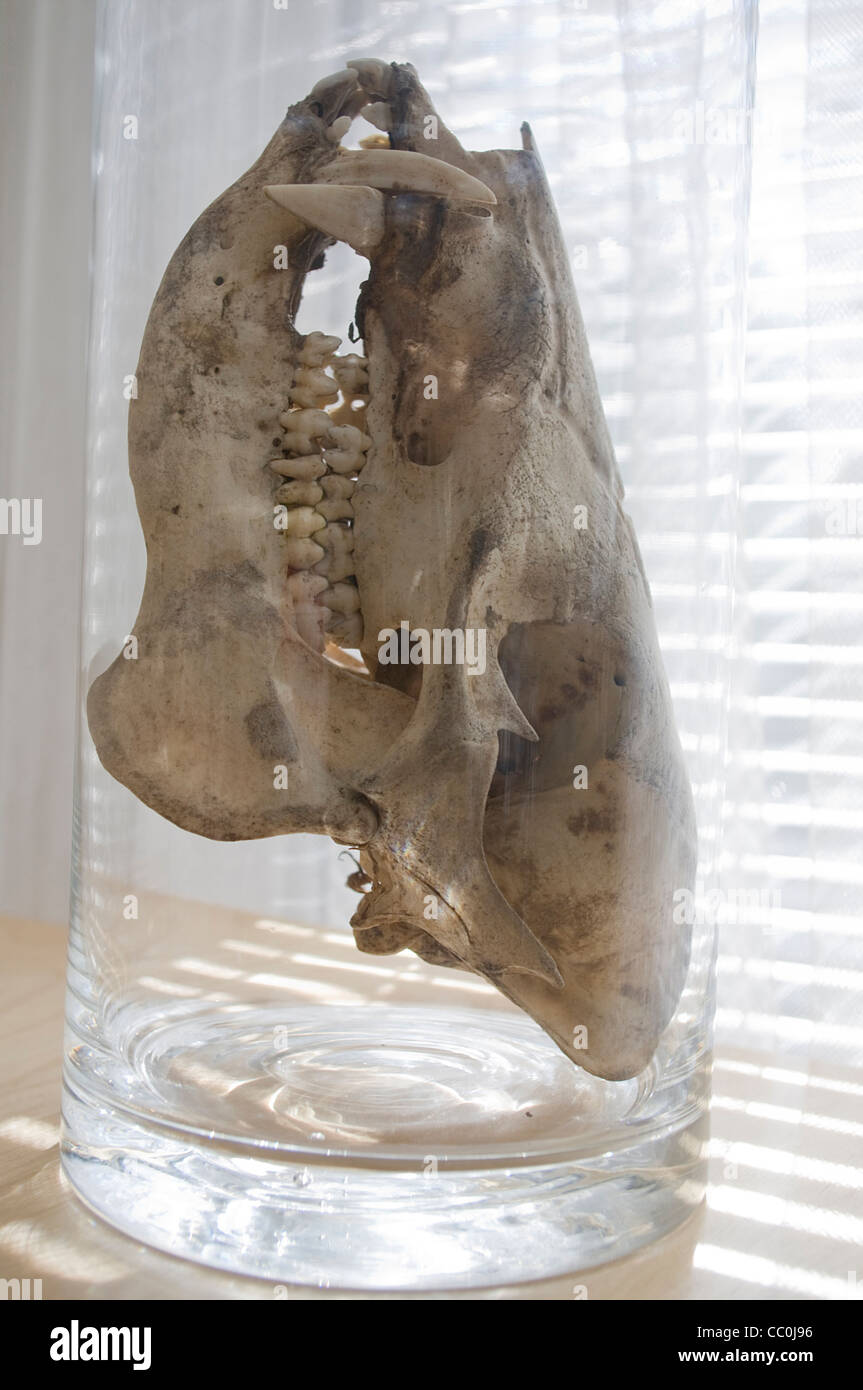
(387,1147)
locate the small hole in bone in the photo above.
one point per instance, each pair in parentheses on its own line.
(619,679)
(219,280)
(277,442)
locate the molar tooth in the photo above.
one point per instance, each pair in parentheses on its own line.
(342,598)
(378,113)
(350,373)
(302,553)
(335,486)
(337,542)
(346,631)
(310,422)
(305,468)
(350,438)
(317,379)
(299,494)
(318,348)
(335,509)
(313,387)
(304,587)
(344,460)
(351,213)
(309,621)
(336,538)
(304,521)
(336,567)
(302,445)
(302,395)
(303,427)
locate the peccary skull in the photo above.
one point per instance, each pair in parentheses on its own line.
(526,814)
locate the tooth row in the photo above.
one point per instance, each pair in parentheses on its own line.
(326,453)
(303,427)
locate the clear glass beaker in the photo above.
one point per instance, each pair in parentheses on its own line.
(244,1086)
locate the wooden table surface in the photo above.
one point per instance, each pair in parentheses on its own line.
(783,1219)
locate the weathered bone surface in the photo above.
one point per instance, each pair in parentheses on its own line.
(446,507)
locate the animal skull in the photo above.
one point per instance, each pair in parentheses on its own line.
(434,486)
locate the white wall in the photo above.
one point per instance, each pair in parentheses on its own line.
(46,66)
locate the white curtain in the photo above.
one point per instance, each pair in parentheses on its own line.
(710,188)
(791,969)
